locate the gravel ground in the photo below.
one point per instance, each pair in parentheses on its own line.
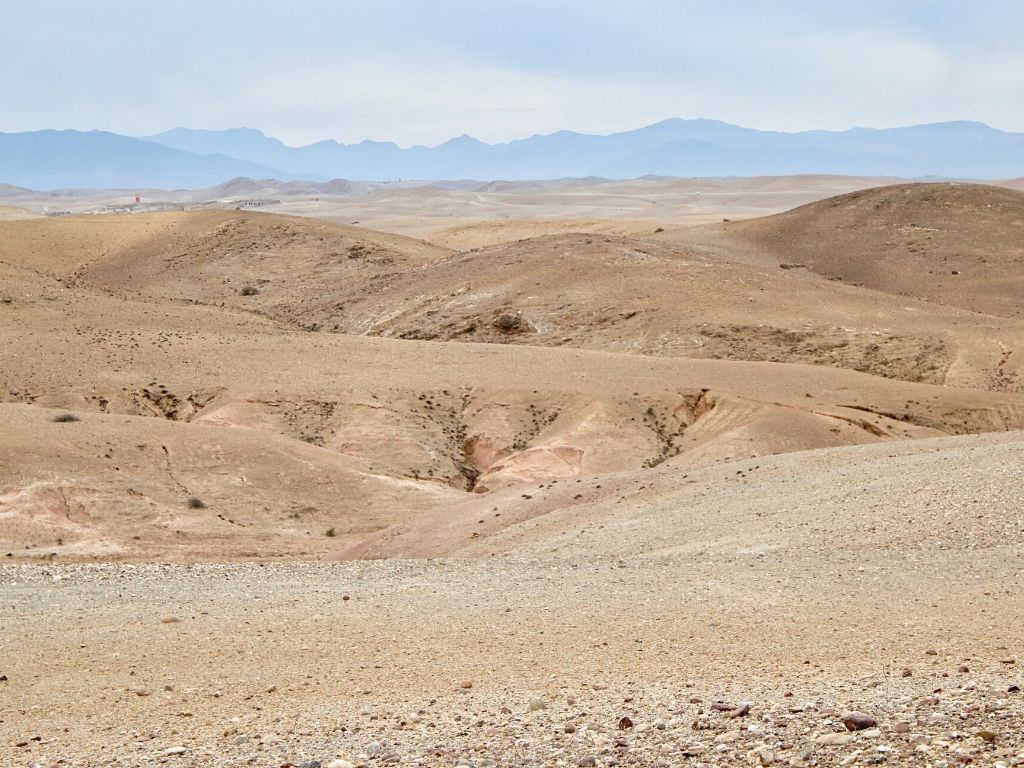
(498,662)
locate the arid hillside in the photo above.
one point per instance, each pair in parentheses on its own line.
(961,245)
(697,294)
(146,375)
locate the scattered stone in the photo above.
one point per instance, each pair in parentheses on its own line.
(587,761)
(170,620)
(374,748)
(858,721)
(536,705)
(835,739)
(625,723)
(339,763)
(742,710)
(172,751)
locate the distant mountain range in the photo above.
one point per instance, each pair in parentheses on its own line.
(187,158)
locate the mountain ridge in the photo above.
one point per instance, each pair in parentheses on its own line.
(189,157)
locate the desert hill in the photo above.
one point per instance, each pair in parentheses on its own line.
(961,245)
(696,296)
(241,342)
(224,401)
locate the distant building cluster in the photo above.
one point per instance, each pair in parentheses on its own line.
(254,203)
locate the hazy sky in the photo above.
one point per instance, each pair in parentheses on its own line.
(422,72)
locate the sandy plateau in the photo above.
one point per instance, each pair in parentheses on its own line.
(581,473)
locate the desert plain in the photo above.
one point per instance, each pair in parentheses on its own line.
(580,473)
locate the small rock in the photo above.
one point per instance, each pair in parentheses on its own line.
(901,727)
(625,723)
(742,710)
(986,735)
(763,755)
(587,762)
(858,721)
(834,739)
(374,748)
(171,751)
(466,685)
(310,764)
(339,763)
(931,652)
(170,620)
(537,705)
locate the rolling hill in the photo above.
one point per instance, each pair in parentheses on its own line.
(961,245)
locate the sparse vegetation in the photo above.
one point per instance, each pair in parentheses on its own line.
(330,533)
(196,503)
(65,418)
(250,290)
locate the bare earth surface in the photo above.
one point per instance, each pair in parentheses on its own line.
(560,474)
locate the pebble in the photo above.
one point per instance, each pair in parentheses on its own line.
(374,748)
(171,751)
(742,710)
(835,739)
(858,721)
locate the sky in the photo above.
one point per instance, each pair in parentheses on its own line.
(421,72)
